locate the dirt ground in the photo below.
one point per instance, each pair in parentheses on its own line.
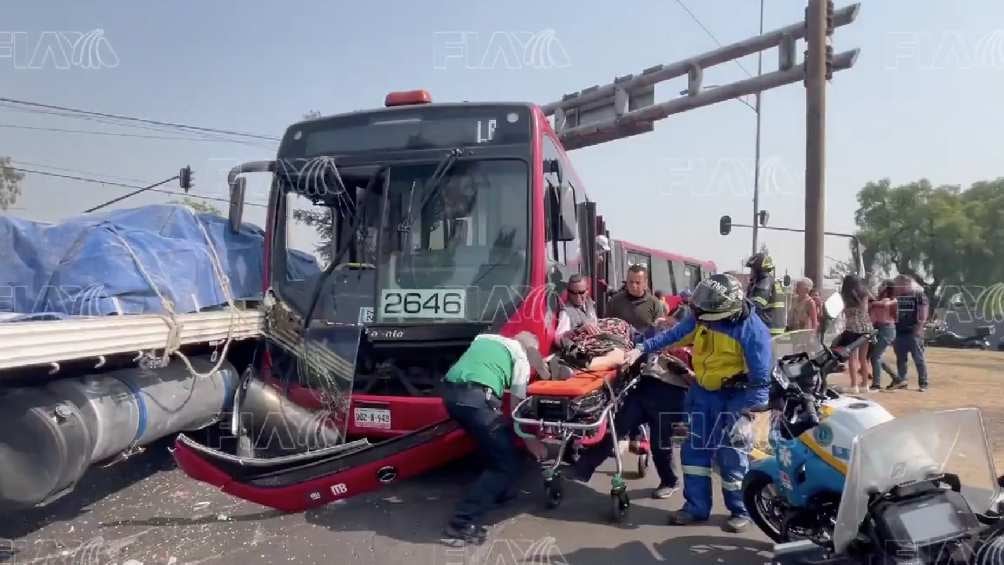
(957,379)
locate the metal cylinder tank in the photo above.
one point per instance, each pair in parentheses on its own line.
(278,425)
(51,434)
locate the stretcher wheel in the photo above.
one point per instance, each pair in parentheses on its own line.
(643,460)
(619,506)
(554,493)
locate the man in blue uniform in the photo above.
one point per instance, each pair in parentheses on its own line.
(731,360)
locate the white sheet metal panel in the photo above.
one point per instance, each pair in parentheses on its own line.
(44,342)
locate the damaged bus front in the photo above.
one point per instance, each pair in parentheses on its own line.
(428,224)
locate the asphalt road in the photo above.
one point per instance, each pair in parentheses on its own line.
(147,512)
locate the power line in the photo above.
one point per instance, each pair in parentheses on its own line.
(710,34)
(77,171)
(105,121)
(135,119)
(126,185)
(119,134)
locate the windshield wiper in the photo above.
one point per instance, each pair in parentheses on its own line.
(435,182)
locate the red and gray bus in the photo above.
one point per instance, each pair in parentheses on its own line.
(427,224)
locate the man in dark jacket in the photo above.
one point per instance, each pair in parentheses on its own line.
(635,304)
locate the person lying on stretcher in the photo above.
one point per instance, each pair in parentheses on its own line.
(656,401)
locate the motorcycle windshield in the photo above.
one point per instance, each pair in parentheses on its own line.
(790,343)
(914,448)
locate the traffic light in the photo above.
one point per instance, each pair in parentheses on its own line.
(725,225)
(186,178)
(762,217)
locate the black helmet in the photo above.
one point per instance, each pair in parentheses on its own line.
(760,262)
(717,298)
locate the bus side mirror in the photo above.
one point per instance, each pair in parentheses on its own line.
(236,213)
(567,221)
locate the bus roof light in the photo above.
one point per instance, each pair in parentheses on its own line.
(407,98)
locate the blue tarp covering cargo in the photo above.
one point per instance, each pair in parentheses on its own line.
(102,264)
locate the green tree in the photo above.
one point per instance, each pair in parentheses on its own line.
(984,207)
(919,230)
(944,237)
(200,206)
(10,183)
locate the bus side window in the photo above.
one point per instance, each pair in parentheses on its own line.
(693,273)
(680,276)
(661,279)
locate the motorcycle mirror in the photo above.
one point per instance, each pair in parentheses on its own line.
(833,306)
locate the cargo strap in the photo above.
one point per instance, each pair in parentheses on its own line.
(173,344)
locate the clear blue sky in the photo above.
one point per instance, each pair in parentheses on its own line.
(923,100)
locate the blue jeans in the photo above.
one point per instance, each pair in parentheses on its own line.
(910,344)
(480,415)
(886,336)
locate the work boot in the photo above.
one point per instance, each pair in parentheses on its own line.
(457,534)
(736,524)
(682,518)
(663,492)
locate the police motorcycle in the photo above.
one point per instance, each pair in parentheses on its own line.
(920,489)
(794,491)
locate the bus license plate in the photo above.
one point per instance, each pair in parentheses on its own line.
(378,418)
(423,303)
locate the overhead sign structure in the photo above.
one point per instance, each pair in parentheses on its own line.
(627,107)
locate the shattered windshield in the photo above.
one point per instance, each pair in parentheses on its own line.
(455,250)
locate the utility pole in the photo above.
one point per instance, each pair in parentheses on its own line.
(756,159)
(817,55)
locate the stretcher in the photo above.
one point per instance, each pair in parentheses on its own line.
(579,412)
